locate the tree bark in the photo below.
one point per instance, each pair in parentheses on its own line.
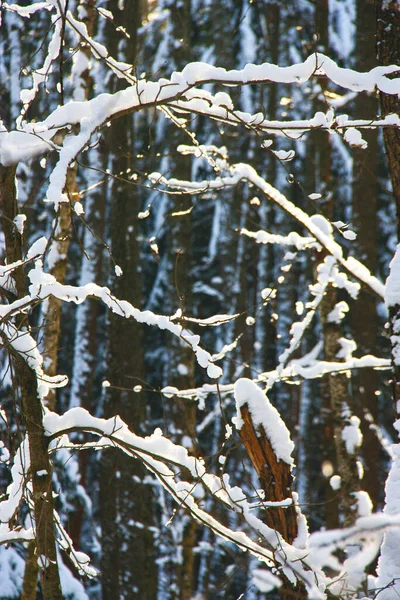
(388,47)
(364,223)
(32,409)
(338,397)
(128,563)
(63,230)
(276,482)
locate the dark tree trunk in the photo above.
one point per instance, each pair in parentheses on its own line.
(388,47)
(128,561)
(364,222)
(32,410)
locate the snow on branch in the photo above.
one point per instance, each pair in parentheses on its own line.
(16,489)
(263,414)
(44,285)
(121,69)
(21,342)
(318,227)
(40,76)
(296,369)
(392,291)
(156,452)
(224,112)
(34,138)
(292,239)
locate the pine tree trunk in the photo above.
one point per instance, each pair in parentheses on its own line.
(337,396)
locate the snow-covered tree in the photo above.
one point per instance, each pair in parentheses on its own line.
(162,251)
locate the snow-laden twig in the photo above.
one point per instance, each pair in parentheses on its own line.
(36,138)
(156,452)
(295,371)
(318,228)
(40,76)
(44,285)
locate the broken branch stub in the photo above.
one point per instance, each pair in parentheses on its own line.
(275,476)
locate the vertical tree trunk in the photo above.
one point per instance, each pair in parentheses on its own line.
(364,222)
(32,410)
(128,562)
(180,371)
(337,399)
(388,47)
(320,180)
(83,391)
(58,255)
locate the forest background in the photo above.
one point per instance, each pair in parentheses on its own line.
(287,319)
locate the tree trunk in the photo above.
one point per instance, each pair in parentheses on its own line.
(388,46)
(58,255)
(337,396)
(128,562)
(364,223)
(32,409)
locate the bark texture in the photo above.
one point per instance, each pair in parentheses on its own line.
(276,482)
(388,47)
(32,410)
(128,563)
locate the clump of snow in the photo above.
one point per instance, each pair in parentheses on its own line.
(284,155)
(322,224)
(19,222)
(263,414)
(392,289)
(78,208)
(349,234)
(266,144)
(43,562)
(338,313)
(169,391)
(335,482)
(213,371)
(364,504)
(351,435)
(354,138)
(265,581)
(268,293)
(347,349)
